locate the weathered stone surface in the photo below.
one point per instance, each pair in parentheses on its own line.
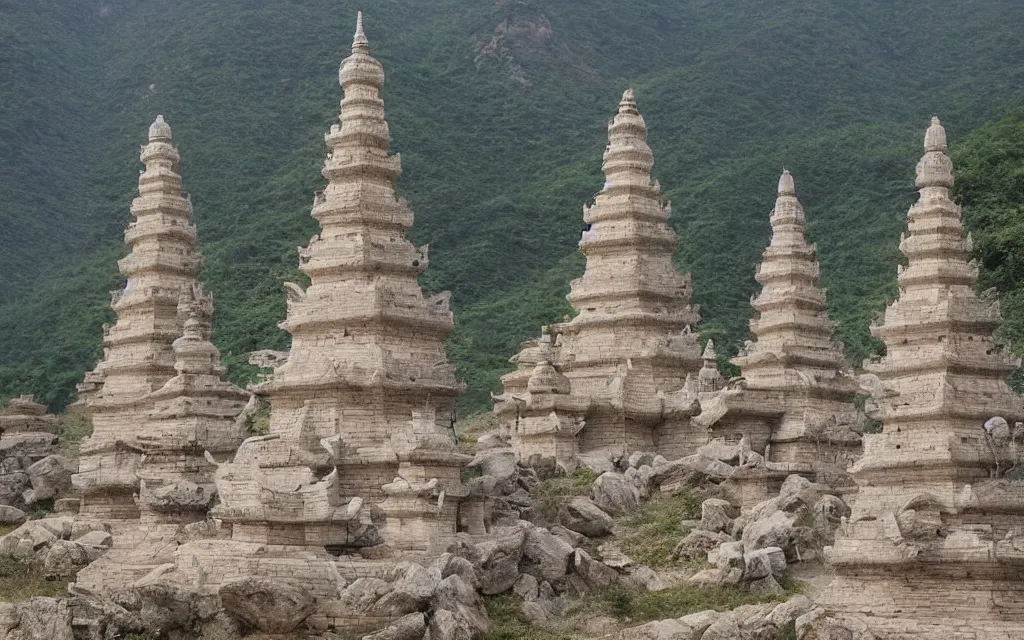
(545,555)
(163,607)
(64,558)
(761,563)
(790,610)
(41,619)
(725,627)
(49,476)
(498,567)
(455,595)
(615,494)
(11,515)
(716,515)
(594,575)
(408,627)
(572,538)
(363,593)
(584,517)
(271,606)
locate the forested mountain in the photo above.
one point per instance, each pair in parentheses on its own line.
(498,108)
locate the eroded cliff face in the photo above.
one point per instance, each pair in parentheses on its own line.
(523,32)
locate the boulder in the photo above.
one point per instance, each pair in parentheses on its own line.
(11,515)
(790,610)
(409,593)
(64,558)
(536,613)
(499,557)
(593,575)
(448,625)
(363,593)
(168,607)
(526,588)
(49,476)
(644,578)
(450,564)
(641,458)
(773,531)
(270,606)
(725,627)
(697,544)
(43,619)
(456,596)
(728,556)
(766,586)
(761,563)
(716,469)
(13,486)
(574,539)
(718,450)
(615,494)
(716,515)
(583,516)
(545,555)
(597,462)
(690,627)
(409,627)
(490,441)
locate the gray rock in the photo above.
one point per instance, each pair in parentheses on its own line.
(456,596)
(574,539)
(583,516)
(790,610)
(490,441)
(44,619)
(498,567)
(641,458)
(67,505)
(726,627)
(270,606)
(690,627)
(716,469)
(697,544)
(448,625)
(716,515)
(545,555)
(363,593)
(410,593)
(761,563)
(49,476)
(64,558)
(409,627)
(644,578)
(728,556)
(168,607)
(526,588)
(766,586)
(536,613)
(615,494)
(13,486)
(96,539)
(596,462)
(773,531)
(450,564)
(718,450)
(593,574)
(11,515)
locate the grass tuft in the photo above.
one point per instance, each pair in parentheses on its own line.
(21,580)
(509,623)
(650,535)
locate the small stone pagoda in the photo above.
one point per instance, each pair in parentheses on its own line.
(27,430)
(361,425)
(632,341)
(794,405)
(934,547)
(160,272)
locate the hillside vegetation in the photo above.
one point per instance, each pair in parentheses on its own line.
(498,108)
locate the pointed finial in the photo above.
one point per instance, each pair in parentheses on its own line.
(786,185)
(935,137)
(359,41)
(709,351)
(159,130)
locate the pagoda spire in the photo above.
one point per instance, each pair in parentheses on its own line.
(365,340)
(791,330)
(160,273)
(933,514)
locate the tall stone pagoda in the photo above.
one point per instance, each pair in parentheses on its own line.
(934,547)
(160,272)
(632,340)
(362,410)
(794,403)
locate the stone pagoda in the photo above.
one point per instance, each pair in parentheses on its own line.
(28,448)
(794,404)
(632,341)
(362,410)
(160,272)
(934,547)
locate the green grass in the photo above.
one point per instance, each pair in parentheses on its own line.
(7,528)
(553,492)
(650,535)
(509,623)
(21,580)
(72,429)
(258,422)
(636,607)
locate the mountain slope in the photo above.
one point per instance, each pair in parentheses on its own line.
(498,109)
